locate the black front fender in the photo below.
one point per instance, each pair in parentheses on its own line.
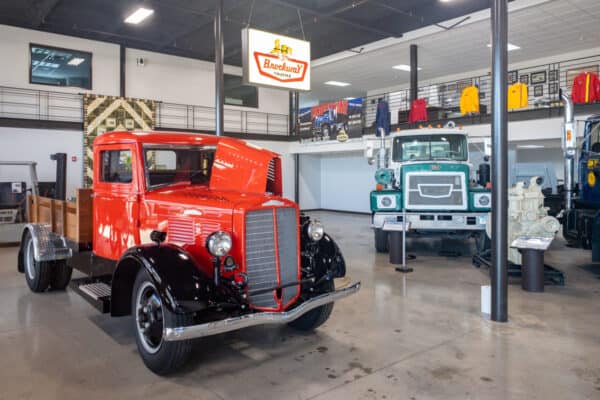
(182,286)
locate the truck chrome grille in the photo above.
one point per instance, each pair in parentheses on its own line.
(436,191)
(267,230)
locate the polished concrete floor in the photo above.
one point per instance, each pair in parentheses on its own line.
(413,336)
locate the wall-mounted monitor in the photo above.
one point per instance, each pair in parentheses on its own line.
(60,67)
(238,94)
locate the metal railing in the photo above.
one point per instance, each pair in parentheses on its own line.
(45,105)
(443,99)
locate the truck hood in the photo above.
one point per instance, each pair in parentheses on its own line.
(201,198)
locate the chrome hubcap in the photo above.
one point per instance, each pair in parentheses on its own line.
(149,317)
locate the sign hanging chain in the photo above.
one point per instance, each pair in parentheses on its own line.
(301,25)
(250,14)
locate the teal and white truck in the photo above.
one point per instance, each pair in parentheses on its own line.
(425,175)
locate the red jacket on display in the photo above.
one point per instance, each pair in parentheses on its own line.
(418,111)
(586,88)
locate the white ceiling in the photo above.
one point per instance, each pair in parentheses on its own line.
(551,28)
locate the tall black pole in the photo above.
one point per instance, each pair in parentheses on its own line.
(499,161)
(293,113)
(414,73)
(122,55)
(219,84)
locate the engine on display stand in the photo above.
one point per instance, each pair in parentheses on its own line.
(530,231)
(527,216)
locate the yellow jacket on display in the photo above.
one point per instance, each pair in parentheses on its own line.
(469,100)
(518,96)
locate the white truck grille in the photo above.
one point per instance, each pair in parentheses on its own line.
(435,191)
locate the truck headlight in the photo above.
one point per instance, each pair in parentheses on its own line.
(483,200)
(315,230)
(219,243)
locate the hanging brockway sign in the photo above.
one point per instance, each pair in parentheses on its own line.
(271,59)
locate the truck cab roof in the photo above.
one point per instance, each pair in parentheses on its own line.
(182,138)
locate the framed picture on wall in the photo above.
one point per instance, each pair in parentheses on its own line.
(538,77)
(524,79)
(553,75)
(553,88)
(538,90)
(512,77)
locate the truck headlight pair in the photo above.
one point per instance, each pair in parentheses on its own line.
(219,243)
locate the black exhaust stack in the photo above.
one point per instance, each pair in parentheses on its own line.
(60,191)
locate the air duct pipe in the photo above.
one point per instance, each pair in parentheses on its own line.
(569,143)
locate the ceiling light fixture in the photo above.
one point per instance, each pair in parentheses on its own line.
(510,47)
(337,83)
(530,146)
(404,67)
(76,61)
(139,15)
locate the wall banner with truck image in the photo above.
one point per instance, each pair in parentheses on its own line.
(328,120)
(103,114)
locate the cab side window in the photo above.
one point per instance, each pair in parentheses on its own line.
(116,166)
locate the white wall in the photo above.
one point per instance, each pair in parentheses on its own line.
(188,81)
(164,78)
(14,68)
(346,181)
(21,144)
(310,181)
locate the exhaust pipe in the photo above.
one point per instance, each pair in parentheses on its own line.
(569,143)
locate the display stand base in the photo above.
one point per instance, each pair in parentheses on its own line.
(403,269)
(552,276)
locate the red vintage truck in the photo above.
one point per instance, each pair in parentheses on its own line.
(191,236)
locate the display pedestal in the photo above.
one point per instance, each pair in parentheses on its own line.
(532,279)
(397,249)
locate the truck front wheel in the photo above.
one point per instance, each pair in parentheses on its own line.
(381,241)
(317,317)
(150,317)
(37,273)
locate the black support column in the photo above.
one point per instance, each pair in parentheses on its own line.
(499,161)
(293,113)
(414,73)
(219,84)
(122,54)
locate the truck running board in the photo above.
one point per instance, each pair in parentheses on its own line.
(94,291)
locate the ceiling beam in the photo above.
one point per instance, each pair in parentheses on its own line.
(331,16)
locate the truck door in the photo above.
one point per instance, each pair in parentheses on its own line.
(116,200)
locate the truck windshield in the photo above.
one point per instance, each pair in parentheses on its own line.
(170,165)
(429,147)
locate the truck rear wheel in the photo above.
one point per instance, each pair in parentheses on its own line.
(381,241)
(61,275)
(37,274)
(150,317)
(317,317)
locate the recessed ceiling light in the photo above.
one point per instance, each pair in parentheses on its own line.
(510,46)
(349,98)
(530,146)
(445,1)
(76,61)
(139,15)
(337,83)
(404,67)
